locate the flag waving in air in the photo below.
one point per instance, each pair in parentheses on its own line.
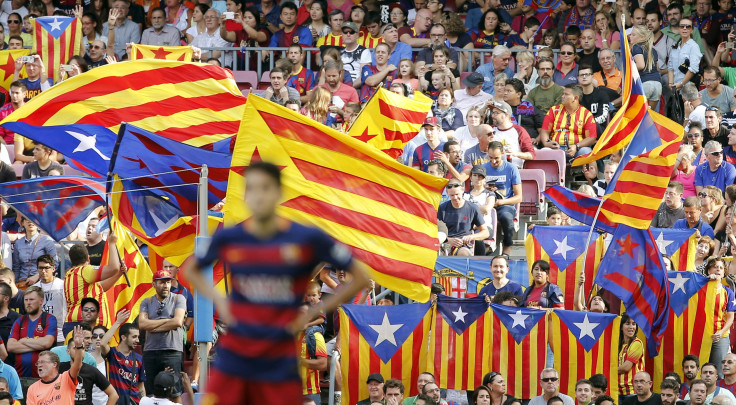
(460,349)
(390,120)
(385,211)
(57,204)
(519,342)
(388,339)
(632,270)
(56,39)
(180,53)
(678,244)
(585,343)
(564,247)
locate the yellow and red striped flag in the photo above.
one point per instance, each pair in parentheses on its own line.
(56,39)
(563,248)
(389,120)
(519,342)
(121,296)
(678,244)
(387,339)
(7,66)
(180,53)
(460,350)
(385,211)
(689,331)
(585,343)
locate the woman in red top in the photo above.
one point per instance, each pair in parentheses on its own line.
(246,31)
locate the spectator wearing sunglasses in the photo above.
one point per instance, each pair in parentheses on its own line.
(685,57)
(162,318)
(53,288)
(716,171)
(549,379)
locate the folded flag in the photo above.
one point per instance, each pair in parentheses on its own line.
(460,349)
(390,340)
(180,53)
(57,204)
(585,343)
(385,211)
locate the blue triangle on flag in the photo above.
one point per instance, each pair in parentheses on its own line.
(460,313)
(683,285)
(518,321)
(587,327)
(669,240)
(563,244)
(386,327)
(55,25)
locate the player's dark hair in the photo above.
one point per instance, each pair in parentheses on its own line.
(267,168)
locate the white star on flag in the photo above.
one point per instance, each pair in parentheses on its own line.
(86,143)
(56,25)
(679,282)
(562,248)
(460,315)
(386,331)
(519,319)
(663,243)
(586,328)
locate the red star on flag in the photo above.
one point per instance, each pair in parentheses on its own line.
(627,246)
(160,53)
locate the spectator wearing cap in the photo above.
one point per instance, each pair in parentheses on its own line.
(504,180)
(569,126)
(515,139)
(464,220)
(397,50)
(165,391)
(425,152)
(354,56)
(714,130)
(499,63)
(162,317)
(472,95)
(438,37)
(375,389)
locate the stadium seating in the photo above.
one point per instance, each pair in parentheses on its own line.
(532,185)
(265,80)
(552,163)
(246,79)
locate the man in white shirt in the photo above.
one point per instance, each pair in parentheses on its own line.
(53,292)
(472,94)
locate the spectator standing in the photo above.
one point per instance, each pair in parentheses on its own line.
(729,373)
(465,223)
(685,57)
(673,30)
(692,218)
(646,59)
(661,43)
(716,94)
(504,180)
(42,164)
(378,75)
(7,315)
(32,334)
(643,390)
(693,106)
(54,302)
(94,242)
(37,78)
(499,282)
(28,249)
(162,317)
(120,29)
(630,356)
(54,387)
(90,379)
(312,361)
(425,152)
(671,208)
(18,92)
(127,374)
(84,281)
(517,143)
(542,293)
(499,63)
(715,268)
(716,171)
(160,34)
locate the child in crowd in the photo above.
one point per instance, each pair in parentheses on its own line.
(439,82)
(608,171)
(313,298)
(554,217)
(572,34)
(551,39)
(407,75)
(351,112)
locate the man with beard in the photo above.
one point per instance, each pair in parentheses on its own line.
(709,375)
(547,93)
(125,365)
(32,334)
(661,43)
(670,389)
(716,94)
(345,92)
(56,388)
(690,370)
(451,156)
(162,317)
(643,389)
(589,52)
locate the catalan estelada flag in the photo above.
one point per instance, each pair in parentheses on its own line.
(56,39)
(389,121)
(389,339)
(690,327)
(564,247)
(7,66)
(196,104)
(625,122)
(180,53)
(585,343)
(121,295)
(519,348)
(460,350)
(385,211)
(678,244)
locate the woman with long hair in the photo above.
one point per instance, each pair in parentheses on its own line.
(685,56)
(245,31)
(482,396)
(645,57)
(102,9)
(712,207)
(541,293)
(497,387)
(488,34)
(177,15)
(318,106)
(630,355)
(606,34)
(317,21)
(78,65)
(526,72)
(198,27)
(468,135)
(397,15)
(458,39)
(551,38)
(148,7)
(407,75)
(333,54)
(723,318)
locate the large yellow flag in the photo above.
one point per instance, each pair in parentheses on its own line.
(385,211)
(390,120)
(180,53)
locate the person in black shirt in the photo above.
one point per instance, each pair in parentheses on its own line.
(89,377)
(644,394)
(594,98)
(95,244)
(16,297)
(589,53)
(7,318)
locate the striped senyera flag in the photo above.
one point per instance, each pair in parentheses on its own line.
(386,339)
(519,348)
(56,39)
(180,53)
(585,343)
(385,211)
(460,350)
